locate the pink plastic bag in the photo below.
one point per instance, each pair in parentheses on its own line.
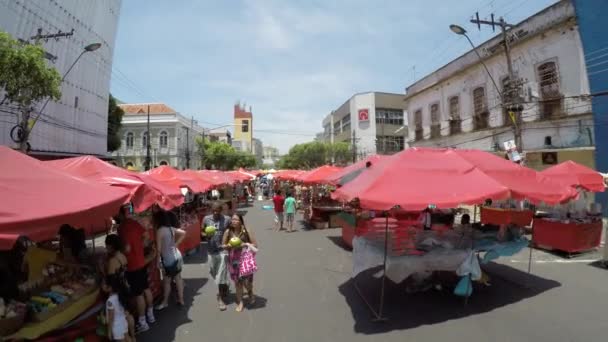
(248,265)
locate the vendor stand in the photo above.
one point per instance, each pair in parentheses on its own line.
(431,179)
(320,209)
(575,228)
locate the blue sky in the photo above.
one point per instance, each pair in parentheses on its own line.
(292,61)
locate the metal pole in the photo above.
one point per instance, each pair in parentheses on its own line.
(382,288)
(484,65)
(354,147)
(511,94)
(147,167)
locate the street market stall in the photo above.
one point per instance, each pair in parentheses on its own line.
(59,283)
(429,180)
(144,190)
(575,228)
(320,209)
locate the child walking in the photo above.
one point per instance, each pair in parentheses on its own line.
(120,325)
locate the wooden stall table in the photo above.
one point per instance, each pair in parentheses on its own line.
(567,237)
(193,236)
(348,223)
(323,211)
(499,216)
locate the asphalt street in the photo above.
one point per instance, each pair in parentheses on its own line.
(305,293)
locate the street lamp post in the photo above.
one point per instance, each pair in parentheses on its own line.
(503,99)
(24,128)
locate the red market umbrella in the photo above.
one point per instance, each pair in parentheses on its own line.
(217,178)
(178,178)
(144,191)
(37,198)
(350,172)
(522,182)
(576,175)
(239,176)
(288,175)
(318,175)
(418,177)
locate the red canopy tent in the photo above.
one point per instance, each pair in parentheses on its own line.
(523,182)
(239,176)
(288,175)
(415,178)
(318,175)
(217,178)
(37,199)
(348,173)
(174,177)
(576,175)
(144,190)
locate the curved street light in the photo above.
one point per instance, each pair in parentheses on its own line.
(20,133)
(459,30)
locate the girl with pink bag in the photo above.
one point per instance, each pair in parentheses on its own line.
(242,246)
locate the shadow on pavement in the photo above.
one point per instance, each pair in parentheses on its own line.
(338,241)
(600,264)
(198,257)
(169,319)
(406,311)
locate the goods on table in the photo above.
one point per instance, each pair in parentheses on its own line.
(12,316)
(61,286)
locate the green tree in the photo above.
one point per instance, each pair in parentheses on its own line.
(115,114)
(26,79)
(221,156)
(340,152)
(314,154)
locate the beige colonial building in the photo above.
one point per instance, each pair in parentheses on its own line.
(172,137)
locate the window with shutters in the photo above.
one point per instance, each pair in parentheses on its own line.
(144,140)
(129,140)
(418,124)
(481,115)
(435,124)
(454,108)
(163,139)
(550,96)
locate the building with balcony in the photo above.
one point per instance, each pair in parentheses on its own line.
(225,136)
(459,106)
(172,137)
(375,121)
(76,124)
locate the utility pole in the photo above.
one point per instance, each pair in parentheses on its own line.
(510,95)
(188,142)
(354,147)
(203,149)
(148,158)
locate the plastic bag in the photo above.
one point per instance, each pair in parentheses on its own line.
(464,288)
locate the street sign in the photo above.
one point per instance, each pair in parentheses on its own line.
(510,145)
(363,114)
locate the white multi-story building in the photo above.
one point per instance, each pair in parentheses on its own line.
(459,106)
(77,123)
(173,137)
(271,155)
(258,149)
(375,121)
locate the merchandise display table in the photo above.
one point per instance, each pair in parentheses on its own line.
(499,216)
(569,237)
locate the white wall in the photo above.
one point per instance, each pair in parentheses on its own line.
(92,21)
(562,43)
(365,131)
